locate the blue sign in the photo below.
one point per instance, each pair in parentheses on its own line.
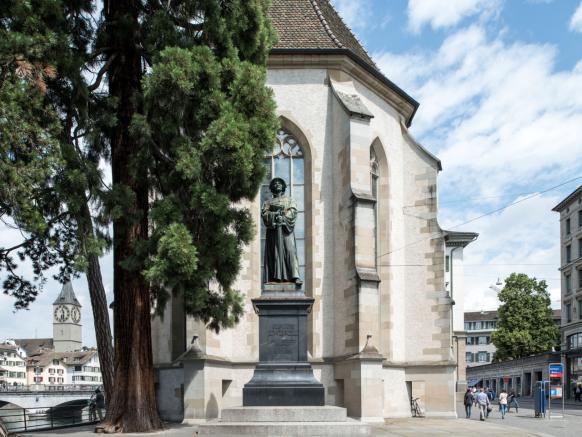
(556,371)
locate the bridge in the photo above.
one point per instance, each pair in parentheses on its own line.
(44,396)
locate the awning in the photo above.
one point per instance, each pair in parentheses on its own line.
(473,382)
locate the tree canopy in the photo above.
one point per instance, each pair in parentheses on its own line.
(172,95)
(525,326)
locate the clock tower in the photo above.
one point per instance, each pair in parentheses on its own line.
(67,321)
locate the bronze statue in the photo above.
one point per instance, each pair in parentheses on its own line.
(279,215)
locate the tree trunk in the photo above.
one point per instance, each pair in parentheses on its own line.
(101,322)
(99,306)
(132,407)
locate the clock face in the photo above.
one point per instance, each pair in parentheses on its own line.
(61,313)
(76,315)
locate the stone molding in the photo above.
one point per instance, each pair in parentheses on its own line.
(344,60)
(367,274)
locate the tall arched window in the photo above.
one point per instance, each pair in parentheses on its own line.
(374,181)
(286,161)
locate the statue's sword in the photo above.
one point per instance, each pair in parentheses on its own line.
(280,241)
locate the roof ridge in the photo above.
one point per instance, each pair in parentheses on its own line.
(326,25)
(332,35)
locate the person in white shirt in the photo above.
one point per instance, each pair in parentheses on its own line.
(503,403)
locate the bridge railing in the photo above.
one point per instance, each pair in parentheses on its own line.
(34,388)
(36,419)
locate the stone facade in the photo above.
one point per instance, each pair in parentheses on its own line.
(455,243)
(520,376)
(380,328)
(570,210)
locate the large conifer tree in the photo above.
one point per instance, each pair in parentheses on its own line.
(49,176)
(525,325)
(185,119)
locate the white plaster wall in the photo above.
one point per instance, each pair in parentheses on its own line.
(458,286)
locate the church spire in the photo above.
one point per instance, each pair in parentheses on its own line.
(67,296)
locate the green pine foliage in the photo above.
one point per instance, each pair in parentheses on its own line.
(208,122)
(43,179)
(525,325)
(204,122)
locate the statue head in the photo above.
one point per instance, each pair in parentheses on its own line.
(277,185)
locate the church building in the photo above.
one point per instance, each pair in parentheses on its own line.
(370,250)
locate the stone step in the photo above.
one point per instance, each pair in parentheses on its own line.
(284,414)
(348,428)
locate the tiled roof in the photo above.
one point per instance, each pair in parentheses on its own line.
(473,316)
(7,346)
(480,315)
(313,24)
(67,296)
(66,358)
(34,345)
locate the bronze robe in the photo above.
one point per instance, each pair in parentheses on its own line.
(280,257)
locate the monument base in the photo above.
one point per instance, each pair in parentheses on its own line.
(283,376)
(291,384)
(284,421)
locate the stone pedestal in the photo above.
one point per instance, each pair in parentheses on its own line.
(284,421)
(283,376)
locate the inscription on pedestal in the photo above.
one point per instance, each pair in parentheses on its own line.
(282,341)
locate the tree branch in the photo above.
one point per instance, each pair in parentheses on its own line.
(101,73)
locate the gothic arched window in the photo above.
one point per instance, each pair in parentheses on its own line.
(374,181)
(286,161)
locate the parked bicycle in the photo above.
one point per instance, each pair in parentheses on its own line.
(415,408)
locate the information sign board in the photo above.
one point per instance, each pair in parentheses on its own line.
(556,371)
(556,391)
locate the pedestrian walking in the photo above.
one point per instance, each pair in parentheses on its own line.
(483,402)
(100,401)
(474,392)
(490,395)
(512,400)
(503,403)
(468,402)
(578,393)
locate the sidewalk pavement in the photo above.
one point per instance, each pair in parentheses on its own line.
(392,427)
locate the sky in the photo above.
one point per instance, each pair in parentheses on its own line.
(499,84)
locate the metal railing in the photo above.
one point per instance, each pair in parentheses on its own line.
(48,387)
(36,419)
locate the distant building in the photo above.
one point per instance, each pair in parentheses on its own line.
(54,361)
(570,210)
(519,375)
(67,334)
(479,325)
(455,243)
(12,366)
(57,368)
(33,346)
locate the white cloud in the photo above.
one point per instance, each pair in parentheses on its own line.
(503,120)
(442,14)
(576,20)
(498,114)
(523,238)
(356,14)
